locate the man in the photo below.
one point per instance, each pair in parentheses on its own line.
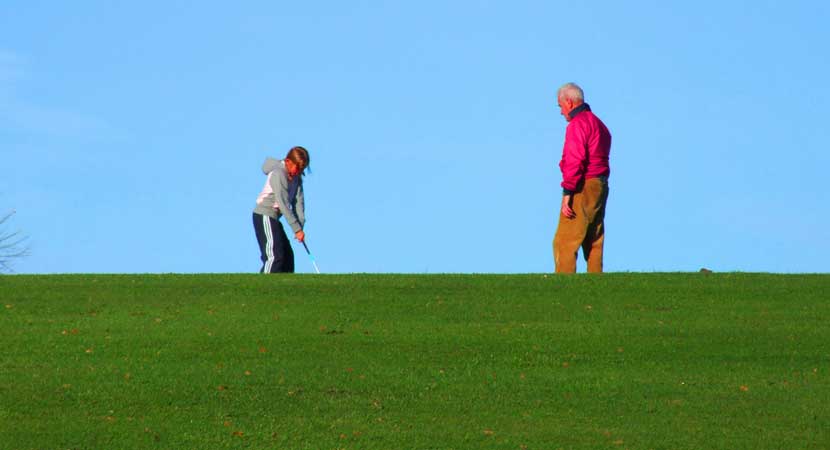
(585,173)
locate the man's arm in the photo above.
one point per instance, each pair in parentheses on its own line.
(574,154)
(572,166)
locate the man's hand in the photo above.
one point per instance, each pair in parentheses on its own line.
(300,235)
(567,211)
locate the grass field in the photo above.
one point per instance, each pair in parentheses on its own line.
(639,361)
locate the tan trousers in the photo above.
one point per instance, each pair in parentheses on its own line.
(586,230)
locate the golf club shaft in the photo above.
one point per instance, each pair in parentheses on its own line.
(313,262)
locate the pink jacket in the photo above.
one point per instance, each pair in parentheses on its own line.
(587,145)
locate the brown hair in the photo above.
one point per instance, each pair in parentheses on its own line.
(299,155)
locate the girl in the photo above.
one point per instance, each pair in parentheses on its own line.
(281,196)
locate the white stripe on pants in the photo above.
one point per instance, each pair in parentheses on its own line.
(269,244)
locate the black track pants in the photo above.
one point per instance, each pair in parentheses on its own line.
(274,248)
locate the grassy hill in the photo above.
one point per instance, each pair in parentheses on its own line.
(676,361)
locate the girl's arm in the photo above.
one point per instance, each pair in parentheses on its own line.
(279,182)
(300,207)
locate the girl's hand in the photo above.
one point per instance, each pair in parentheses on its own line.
(300,235)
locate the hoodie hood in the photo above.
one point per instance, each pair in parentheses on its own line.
(272,164)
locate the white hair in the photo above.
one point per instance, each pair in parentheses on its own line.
(571,91)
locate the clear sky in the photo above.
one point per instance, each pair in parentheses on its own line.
(132,133)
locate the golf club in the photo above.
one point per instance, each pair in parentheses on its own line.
(312,257)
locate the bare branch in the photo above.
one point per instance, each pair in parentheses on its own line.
(12,245)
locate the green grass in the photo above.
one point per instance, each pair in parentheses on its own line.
(640,361)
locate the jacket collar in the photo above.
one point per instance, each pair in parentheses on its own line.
(579,109)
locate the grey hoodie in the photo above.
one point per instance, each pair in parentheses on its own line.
(274,199)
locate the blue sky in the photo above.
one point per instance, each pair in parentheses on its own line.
(132,133)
